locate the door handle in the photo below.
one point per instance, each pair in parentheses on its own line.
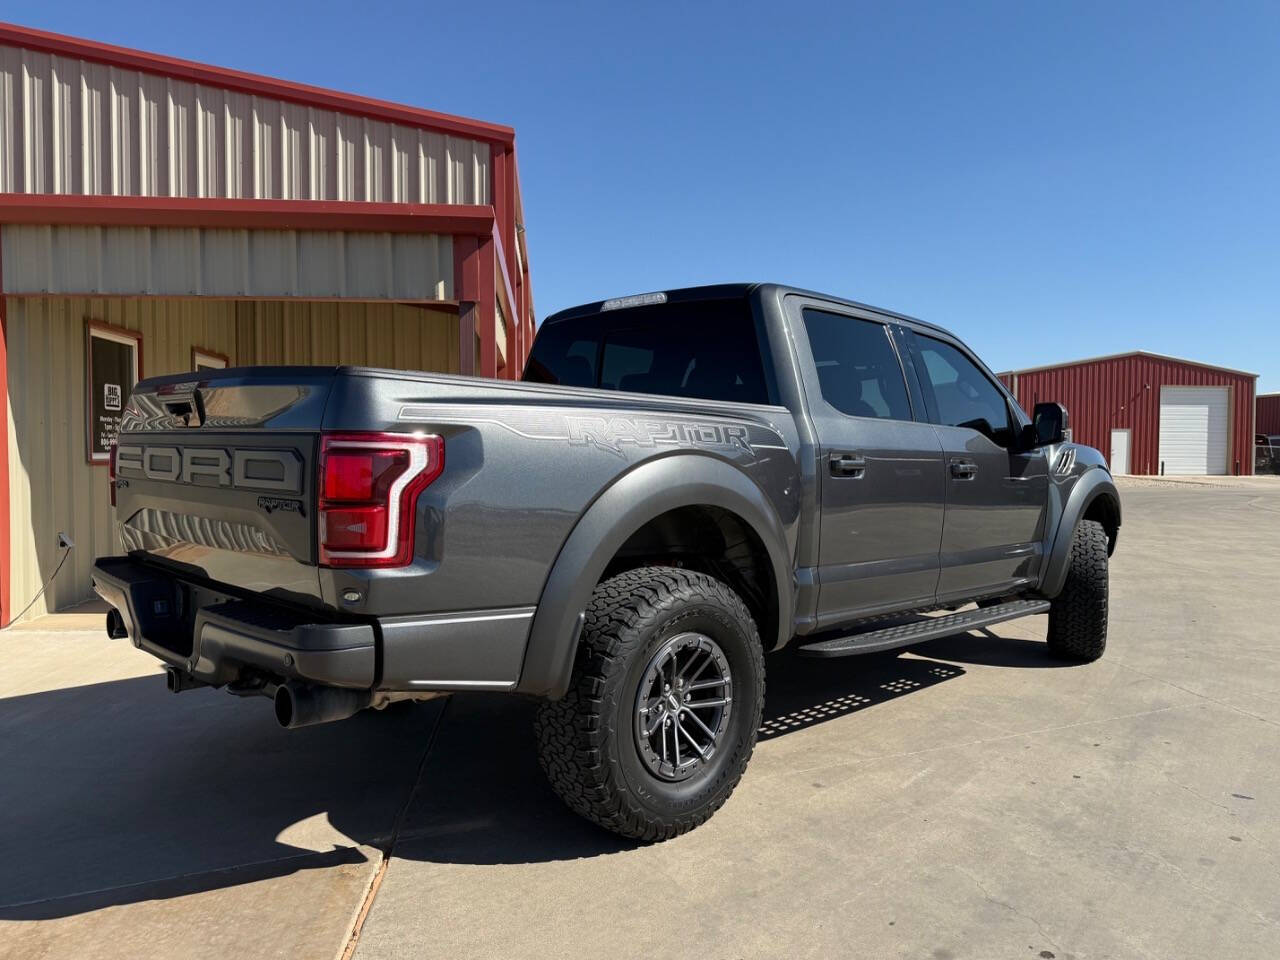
(963,469)
(847,465)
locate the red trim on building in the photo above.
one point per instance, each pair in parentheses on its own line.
(501,195)
(474,287)
(486,305)
(198,352)
(6,553)
(252,83)
(62,209)
(506,204)
(235,298)
(509,305)
(524,285)
(1121,356)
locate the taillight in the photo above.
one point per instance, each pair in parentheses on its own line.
(369,486)
(111,473)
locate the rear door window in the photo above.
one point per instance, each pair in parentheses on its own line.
(858,369)
(709,349)
(563,355)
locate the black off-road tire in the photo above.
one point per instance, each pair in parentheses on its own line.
(1078,615)
(587,741)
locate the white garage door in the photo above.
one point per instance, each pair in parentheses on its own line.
(1193,429)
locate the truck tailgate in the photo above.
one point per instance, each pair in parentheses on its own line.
(215,475)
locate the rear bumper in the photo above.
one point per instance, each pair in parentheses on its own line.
(218,639)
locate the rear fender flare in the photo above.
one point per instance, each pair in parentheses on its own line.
(649,490)
(1093,484)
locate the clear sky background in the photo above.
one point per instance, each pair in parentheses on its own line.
(1051,181)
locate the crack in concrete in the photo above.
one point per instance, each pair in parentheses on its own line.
(352,940)
(1200,888)
(1204,799)
(1195,693)
(1012,909)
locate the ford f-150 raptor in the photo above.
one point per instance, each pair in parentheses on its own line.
(682,483)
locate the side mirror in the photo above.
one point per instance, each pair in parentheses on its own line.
(1050,424)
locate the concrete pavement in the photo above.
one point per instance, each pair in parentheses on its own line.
(970,798)
(134,823)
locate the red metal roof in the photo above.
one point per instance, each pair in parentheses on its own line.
(252,83)
(1127,353)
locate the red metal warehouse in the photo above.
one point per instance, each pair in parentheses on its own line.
(1151,414)
(1269,414)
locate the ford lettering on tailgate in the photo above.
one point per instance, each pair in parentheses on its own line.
(279,471)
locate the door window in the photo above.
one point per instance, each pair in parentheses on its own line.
(708,349)
(963,395)
(858,370)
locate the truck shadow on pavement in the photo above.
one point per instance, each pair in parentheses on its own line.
(120,792)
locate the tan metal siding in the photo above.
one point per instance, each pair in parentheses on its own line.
(51,486)
(192,261)
(72,126)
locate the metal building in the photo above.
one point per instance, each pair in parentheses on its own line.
(1151,414)
(162,216)
(1269,414)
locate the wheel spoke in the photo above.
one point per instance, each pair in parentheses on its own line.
(705,663)
(657,719)
(689,664)
(707,730)
(707,703)
(707,684)
(675,739)
(688,736)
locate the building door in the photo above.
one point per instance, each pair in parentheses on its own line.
(1120,439)
(1194,430)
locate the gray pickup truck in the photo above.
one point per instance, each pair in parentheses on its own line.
(683,483)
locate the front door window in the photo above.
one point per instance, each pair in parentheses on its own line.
(996,492)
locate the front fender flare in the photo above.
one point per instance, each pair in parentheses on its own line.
(651,489)
(1092,484)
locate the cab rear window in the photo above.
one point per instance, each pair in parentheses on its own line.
(708,349)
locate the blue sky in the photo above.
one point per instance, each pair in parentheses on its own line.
(1051,181)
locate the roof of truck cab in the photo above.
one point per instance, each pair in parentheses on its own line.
(730,290)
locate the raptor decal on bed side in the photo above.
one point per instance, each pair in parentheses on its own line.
(612,432)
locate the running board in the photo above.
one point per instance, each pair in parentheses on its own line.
(921,630)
